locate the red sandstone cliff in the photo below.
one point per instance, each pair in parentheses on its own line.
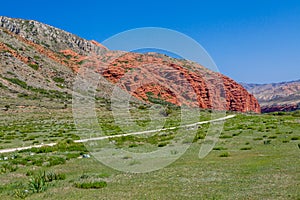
(38,55)
(178,82)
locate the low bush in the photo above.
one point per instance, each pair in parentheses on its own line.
(56,161)
(219,148)
(272,137)
(52,176)
(246,148)
(8,167)
(224,154)
(133,145)
(296,113)
(162,144)
(58,80)
(267,142)
(225,136)
(29,173)
(21,193)
(37,184)
(34,66)
(91,185)
(72,155)
(295,138)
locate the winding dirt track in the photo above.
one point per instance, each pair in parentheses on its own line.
(114,136)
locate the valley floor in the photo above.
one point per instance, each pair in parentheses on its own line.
(256,157)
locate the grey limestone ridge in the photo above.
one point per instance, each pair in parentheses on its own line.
(49,36)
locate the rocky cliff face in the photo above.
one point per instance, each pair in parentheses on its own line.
(273,97)
(156,77)
(48,36)
(37,59)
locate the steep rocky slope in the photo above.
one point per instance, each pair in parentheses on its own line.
(272,97)
(48,36)
(39,61)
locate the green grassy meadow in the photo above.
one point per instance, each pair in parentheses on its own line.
(256,157)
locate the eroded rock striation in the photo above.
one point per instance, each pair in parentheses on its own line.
(35,55)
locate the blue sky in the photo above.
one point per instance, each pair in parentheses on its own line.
(250,41)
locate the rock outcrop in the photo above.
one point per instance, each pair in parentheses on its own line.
(49,36)
(154,77)
(34,55)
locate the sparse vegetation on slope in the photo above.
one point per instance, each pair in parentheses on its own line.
(251,156)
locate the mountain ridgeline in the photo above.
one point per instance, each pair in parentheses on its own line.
(39,61)
(274,97)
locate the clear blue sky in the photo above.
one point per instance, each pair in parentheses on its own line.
(255,41)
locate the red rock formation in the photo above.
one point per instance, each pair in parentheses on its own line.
(14,53)
(237,97)
(155,77)
(74,58)
(147,77)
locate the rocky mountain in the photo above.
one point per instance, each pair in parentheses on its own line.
(38,61)
(273,97)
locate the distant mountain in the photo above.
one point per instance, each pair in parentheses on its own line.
(284,96)
(38,61)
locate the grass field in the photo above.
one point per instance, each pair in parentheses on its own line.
(256,157)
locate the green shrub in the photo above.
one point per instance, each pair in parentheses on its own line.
(103,175)
(225,136)
(224,154)
(58,80)
(127,157)
(8,167)
(142,107)
(2,86)
(267,141)
(38,162)
(68,56)
(162,144)
(85,176)
(72,155)
(295,138)
(36,57)
(21,193)
(17,82)
(246,148)
(51,176)
(43,149)
(236,134)
(272,137)
(133,145)
(91,185)
(37,183)
(279,113)
(33,66)
(219,148)
(80,62)
(296,113)
(29,173)
(56,161)
(10,46)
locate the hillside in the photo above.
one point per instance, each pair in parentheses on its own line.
(40,62)
(272,97)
